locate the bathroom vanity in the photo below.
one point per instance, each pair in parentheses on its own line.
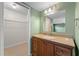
(45,44)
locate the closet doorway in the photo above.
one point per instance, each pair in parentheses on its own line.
(16,29)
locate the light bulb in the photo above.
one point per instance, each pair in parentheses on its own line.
(45,11)
(49,10)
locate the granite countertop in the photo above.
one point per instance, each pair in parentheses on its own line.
(57,38)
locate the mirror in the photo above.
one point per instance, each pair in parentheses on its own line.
(55,22)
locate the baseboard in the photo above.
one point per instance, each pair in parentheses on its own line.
(18,43)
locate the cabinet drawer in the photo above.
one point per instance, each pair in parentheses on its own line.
(61,51)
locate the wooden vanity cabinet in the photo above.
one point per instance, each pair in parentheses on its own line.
(42,47)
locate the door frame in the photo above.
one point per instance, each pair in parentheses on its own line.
(29,15)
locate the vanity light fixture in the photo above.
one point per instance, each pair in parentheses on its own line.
(51,10)
(48,12)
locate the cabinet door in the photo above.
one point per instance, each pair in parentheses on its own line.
(48,48)
(34,46)
(41,48)
(61,51)
(37,47)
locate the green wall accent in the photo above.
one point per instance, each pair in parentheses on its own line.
(42,18)
(35,21)
(70,19)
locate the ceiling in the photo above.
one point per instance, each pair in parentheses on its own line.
(40,5)
(15,7)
